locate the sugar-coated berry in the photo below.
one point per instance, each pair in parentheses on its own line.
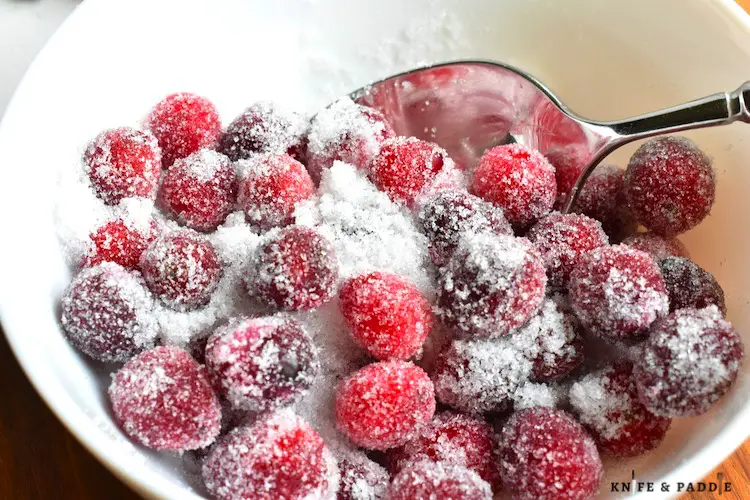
(562,239)
(259,364)
(121,241)
(545,454)
(279,456)
(162,399)
(361,478)
(271,185)
(603,198)
(437,480)
(182,269)
(183,123)
(296,269)
(606,402)
(617,292)
(446,217)
(518,179)
(407,167)
(199,190)
(107,313)
(690,360)
(347,132)
(264,128)
(385,404)
(387,314)
(568,161)
(659,247)
(492,284)
(452,438)
(690,286)
(123,163)
(670,185)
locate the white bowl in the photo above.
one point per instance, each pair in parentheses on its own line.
(113,59)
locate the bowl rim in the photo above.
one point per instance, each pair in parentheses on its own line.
(145,481)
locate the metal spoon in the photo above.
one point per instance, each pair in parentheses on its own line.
(470,106)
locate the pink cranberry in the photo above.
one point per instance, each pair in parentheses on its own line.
(670,185)
(270,187)
(690,286)
(518,179)
(123,163)
(437,480)
(385,404)
(546,455)
(606,402)
(659,247)
(603,198)
(120,241)
(162,399)
(618,292)
(361,478)
(689,361)
(388,316)
(107,313)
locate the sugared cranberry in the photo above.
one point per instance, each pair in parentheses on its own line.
(561,240)
(199,190)
(123,163)
(491,285)
(347,132)
(121,241)
(603,198)
(690,360)
(518,179)
(271,185)
(162,399)
(406,167)
(278,456)
(618,292)
(361,478)
(546,455)
(385,404)
(659,247)
(670,185)
(568,161)
(388,316)
(261,363)
(450,214)
(264,128)
(690,286)
(606,402)
(451,438)
(182,269)
(428,479)
(107,313)
(296,269)
(183,123)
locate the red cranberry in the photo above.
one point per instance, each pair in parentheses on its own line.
(121,241)
(450,214)
(264,128)
(162,399)
(361,478)
(270,187)
(388,316)
(182,269)
(618,292)
(657,246)
(546,455)
(603,198)
(690,286)
(107,313)
(493,284)
(518,179)
(278,456)
(437,480)
(385,404)
(184,123)
(568,162)
(347,132)
(296,270)
(261,363)
(406,167)
(123,163)
(455,439)
(606,402)
(561,241)
(670,185)
(690,360)
(199,190)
